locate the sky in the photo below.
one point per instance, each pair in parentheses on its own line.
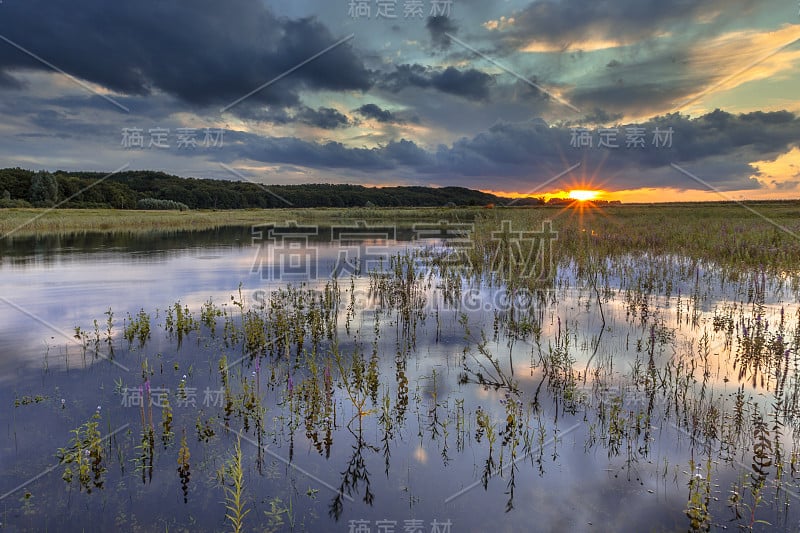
(645,100)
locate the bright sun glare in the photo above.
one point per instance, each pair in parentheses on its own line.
(582,195)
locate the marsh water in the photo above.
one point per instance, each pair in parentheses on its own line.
(389,397)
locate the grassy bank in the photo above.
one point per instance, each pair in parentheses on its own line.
(20,222)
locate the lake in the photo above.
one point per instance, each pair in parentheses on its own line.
(373,381)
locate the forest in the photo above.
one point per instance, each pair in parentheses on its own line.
(157,190)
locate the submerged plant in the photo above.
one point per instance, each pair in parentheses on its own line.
(277,510)
(183,467)
(166,421)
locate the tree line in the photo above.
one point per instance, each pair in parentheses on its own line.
(151,189)
(145,189)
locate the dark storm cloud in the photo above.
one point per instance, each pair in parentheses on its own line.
(329,155)
(471,84)
(373,111)
(405,152)
(201,51)
(323,117)
(718,146)
(438,27)
(271,114)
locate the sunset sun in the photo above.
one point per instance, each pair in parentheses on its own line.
(583,195)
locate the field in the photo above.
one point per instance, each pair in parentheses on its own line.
(499,363)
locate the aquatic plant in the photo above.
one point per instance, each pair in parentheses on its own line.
(137,327)
(234,492)
(84,456)
(184,466)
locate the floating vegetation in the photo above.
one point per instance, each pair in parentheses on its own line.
(28,399)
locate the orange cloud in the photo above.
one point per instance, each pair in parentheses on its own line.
(738,57)
(589,45)
(782,174)
(500,24)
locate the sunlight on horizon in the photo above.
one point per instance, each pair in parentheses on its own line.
(583,195)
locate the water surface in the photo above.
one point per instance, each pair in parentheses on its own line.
(574,407)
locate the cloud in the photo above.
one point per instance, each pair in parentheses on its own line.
(642,58)
(441,114)
(673,76)
(438,27)
(330,155)
(597,116)
(8,81)
(201,51)
(501,24)
(470,84)
(374,112)
(323,117)
(553,25)
(719,147)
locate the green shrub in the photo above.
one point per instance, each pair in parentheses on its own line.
(13,203)
(155,203)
